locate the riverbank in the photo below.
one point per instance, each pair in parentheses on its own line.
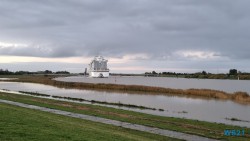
(137,127)
(201,128)
(39,126)
(240,97)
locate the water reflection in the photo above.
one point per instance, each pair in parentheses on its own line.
(187,107)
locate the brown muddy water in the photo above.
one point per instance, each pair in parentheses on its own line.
(174,106)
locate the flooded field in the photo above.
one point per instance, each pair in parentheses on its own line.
(166,82)
(174,106)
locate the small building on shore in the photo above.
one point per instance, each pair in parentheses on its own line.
(98,67)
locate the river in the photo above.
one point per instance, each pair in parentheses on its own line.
(174,106)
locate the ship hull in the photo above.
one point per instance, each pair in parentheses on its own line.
(99,74)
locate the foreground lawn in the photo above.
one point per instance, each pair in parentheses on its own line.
(25,124)
(212,130)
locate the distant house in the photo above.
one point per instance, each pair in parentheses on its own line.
(98,67)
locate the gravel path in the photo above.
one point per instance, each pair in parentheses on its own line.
(153,130)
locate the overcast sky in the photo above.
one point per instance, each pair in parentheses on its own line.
(135,35)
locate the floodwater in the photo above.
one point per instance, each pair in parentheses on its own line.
(174,106)
(167,82)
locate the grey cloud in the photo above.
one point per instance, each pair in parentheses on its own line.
(116,28)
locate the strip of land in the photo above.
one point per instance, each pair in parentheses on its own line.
(239,97)
(200,128)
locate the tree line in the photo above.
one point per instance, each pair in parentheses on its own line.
(7,72)
(232,74)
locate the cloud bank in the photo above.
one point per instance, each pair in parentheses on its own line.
(141,32)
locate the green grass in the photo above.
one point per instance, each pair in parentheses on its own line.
(25,124)
(202,128)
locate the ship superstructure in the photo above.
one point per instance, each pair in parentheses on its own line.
(98,67)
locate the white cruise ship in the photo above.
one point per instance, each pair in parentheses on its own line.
(98,67)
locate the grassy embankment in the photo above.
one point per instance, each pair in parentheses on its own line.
(25,124)
(240,97)
(201,128)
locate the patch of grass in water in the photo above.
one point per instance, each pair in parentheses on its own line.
(92,101)
(34,93)
(106,103)
(236,119)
